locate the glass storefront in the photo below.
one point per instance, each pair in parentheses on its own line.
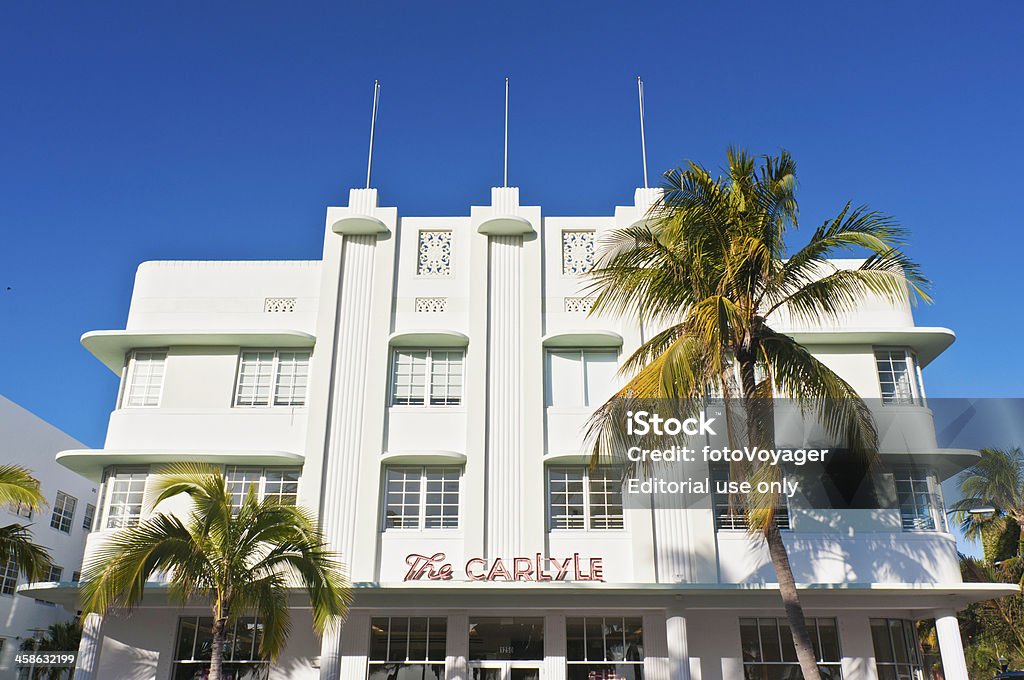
(407,648)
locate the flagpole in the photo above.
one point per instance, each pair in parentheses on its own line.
(643,140)
(506,132)
(373,124)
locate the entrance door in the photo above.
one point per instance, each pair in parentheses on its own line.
(505,670)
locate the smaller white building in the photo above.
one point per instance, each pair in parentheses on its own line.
(61,527)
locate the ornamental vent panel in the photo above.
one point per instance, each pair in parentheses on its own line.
(431,305)
(435,253)
(579,305)
(276,305)
(577,252)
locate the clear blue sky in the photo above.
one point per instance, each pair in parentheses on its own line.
(184,131)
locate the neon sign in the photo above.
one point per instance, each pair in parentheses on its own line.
(537,568)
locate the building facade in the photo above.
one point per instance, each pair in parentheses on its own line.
(424,387)
(61,527)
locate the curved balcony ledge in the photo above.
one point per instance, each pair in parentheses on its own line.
(359,224)
(928,341)
(945,462)
(437,457)
(583,338)
(110,347)
(506,225)
(90,462)
(428,338)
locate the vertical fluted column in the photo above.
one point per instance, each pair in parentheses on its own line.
(678,651)
(504,395)
(345,429)
(89,648)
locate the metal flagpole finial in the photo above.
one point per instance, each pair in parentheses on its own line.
(373,124)
(643,140)
(506,133)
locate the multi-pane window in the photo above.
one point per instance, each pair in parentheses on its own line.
(426,377)
(90,515)
(920,499)
(279,484)
(899,376)
(730,510)
(125,492)
(421,497)
(272,378)
(610,647)
(407,648)
(897,655)
(8,577)
(76,576)
(194,648)
(581,498)
(769,654)
(63,512)
(145,378)
(580,378)
(54,573)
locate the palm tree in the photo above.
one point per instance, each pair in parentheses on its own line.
(58,637)
(711,263)
(239,559)
(995,481)
(20,489)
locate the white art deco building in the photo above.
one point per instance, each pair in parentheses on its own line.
(423,387)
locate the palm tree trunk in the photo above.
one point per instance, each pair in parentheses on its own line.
(217,651)
(805,653)
(791,601)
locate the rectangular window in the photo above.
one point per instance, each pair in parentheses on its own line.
(426,377)
(730,511)
(605,648)
(421,497)
(90,515)
(506,638)
(125,491)
(581,498)
(194,644)
(919,496)
(76,576)
(407,648)
(272,377)
(280,484)
(63,512)
(580,378)
(897,655)
(899,376)
(145,378)
(768,650)
(54,574)
(8,577)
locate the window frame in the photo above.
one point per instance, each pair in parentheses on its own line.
(252,661)
(130,377)
(588,515)
(275,378)
(934,512)
(89,516)
(62,518)
(50,575)
(813,622)
(421,498)
(9,576)
(738,521)
(428,377)
(109,482)
(913,668)
(261,484)
(916,383)
(583,385)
